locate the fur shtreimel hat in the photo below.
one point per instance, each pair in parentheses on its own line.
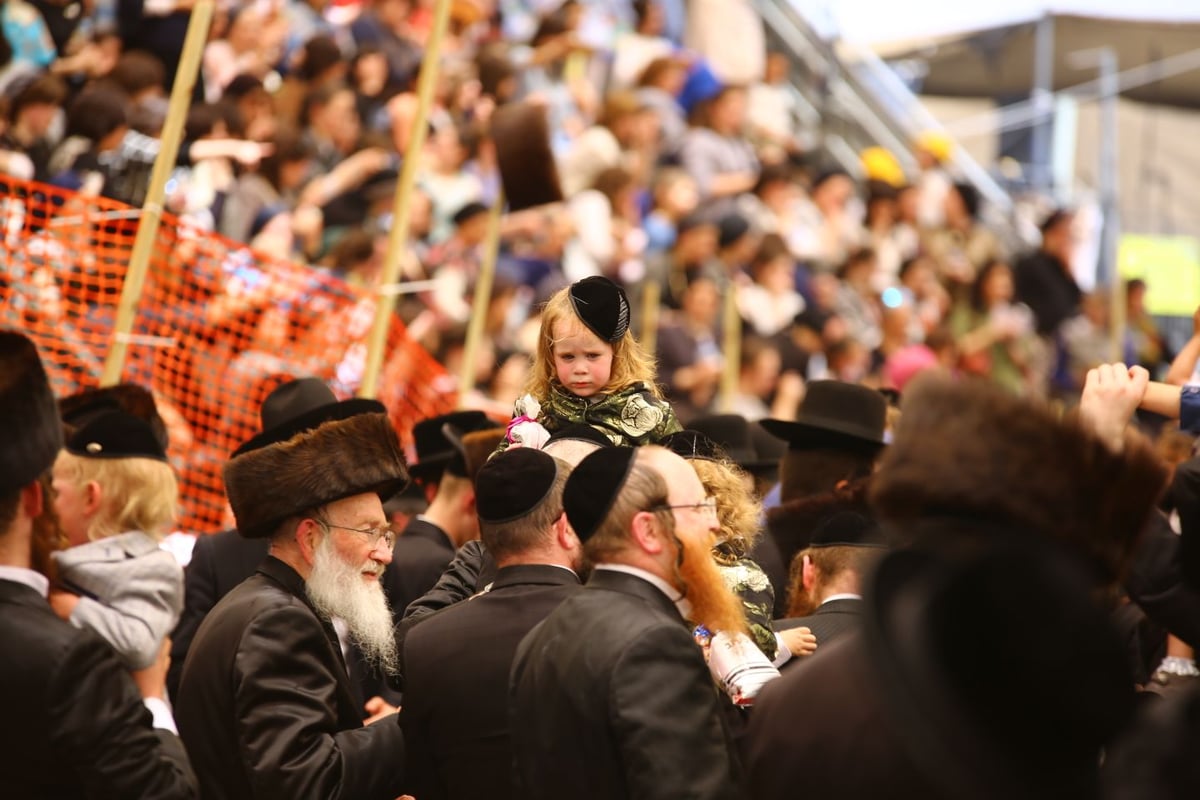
(29,424)
(339,459)
(970,451)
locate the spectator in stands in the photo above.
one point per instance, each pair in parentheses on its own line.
(716,152)
(384,25)
(658,89)
(1149,344)
(689,353)
(1045,280)
(857,301)
(447,182)
(637,49)
(771,111)
(839,230)
(962,246)
(770,302)
(995,338)
(674,197)
(625,135)
(31,117)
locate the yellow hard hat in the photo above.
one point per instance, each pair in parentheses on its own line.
(937,143)
(880,165)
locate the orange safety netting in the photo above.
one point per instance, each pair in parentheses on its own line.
(217,328)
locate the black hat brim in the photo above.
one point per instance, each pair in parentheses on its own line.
(333,412)
(816,432)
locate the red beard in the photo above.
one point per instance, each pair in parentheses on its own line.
(713,604)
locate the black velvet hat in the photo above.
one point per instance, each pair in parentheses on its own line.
(834,415)
(967,645)
(29,424)
(731,228)
(594,486)
(513,483)
(847,529)
(116,435)
(602,306)
(693,445)
(435,451)
(82,407)
(299,406)
(735,436)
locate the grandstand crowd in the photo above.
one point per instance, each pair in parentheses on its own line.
(921,546)
(680,155)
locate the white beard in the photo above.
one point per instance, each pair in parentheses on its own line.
(337,589)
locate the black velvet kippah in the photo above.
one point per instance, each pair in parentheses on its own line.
(116,435)
(692,445)
(848,529)
(513,483)
(593,488)
(582,433)
(602,306)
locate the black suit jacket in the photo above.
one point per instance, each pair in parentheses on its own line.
(829,622)
(266,707)
(455,714)
(222,561)
(611,698)
(219,563)
(423,551)
(72,722)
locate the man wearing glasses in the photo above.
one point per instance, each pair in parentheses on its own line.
(610,696)
(265,706)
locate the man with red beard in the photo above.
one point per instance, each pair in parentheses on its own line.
(265,705)
(610,696)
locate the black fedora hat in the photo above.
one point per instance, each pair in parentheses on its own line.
(436,450)
(834,415)
(299,406)
(970,648)
(735,436)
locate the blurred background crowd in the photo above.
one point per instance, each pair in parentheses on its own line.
(688,157)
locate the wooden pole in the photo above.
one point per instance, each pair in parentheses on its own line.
(152,207)
(651,301)
(479,304)
(731,349)
(398,238)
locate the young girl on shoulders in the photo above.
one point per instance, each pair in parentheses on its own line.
(590,370)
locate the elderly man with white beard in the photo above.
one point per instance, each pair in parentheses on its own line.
(265,704)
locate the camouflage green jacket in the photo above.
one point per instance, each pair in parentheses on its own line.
(747,580)
(631,417)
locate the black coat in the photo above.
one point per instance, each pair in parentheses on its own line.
(423,551)
(611,698)
(266,708)
(72,723)
(1045,285)
(829,622)
(457,662)
(219,563)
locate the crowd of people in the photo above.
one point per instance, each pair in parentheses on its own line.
(894,568)
(607,605)
(682,161)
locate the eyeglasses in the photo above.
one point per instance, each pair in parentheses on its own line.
(707,506)
(373,534)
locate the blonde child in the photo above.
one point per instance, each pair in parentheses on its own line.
(116,497)
(589,370)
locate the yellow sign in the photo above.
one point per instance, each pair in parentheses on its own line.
(1170,266)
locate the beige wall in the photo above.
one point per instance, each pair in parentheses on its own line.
(1158,158)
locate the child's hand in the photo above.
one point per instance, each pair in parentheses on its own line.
(63,603)
(528,434)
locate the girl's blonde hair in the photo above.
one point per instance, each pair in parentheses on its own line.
(630,364)
(738,510)
(139,494)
